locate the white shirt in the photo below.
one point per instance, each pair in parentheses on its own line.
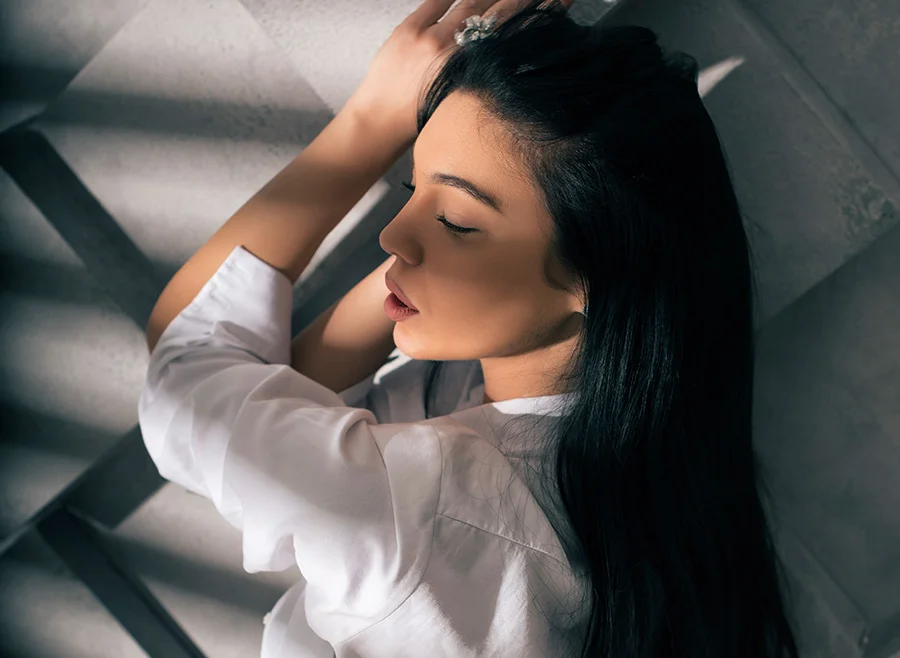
(414,536)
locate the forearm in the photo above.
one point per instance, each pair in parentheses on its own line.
(350,340)
(286,221)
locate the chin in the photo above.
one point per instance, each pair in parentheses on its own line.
(406,341)
(442,347)
(408,344)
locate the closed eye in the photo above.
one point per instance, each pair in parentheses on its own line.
(442,219)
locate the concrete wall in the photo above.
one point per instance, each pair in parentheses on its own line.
(154,120)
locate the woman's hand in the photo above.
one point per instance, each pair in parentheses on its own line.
(408,61)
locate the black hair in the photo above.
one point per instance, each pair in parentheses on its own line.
(654,463)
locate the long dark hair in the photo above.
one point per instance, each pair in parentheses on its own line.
(654,462)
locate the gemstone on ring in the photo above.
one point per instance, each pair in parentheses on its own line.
(476,28)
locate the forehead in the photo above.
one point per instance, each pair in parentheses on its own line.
(464,139)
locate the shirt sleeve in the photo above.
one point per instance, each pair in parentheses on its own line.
(307,479)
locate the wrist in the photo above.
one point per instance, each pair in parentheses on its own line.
(377,122)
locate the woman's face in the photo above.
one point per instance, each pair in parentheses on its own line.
(481,295)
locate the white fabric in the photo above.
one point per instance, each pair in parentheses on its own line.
(414,536)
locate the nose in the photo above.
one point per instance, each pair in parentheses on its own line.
(398,239)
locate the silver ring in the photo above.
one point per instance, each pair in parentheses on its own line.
(476,28)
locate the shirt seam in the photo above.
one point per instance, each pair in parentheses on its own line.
(421,577)
(509,539)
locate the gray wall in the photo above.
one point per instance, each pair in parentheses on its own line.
(148,122)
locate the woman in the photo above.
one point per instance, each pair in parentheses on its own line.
(581,480)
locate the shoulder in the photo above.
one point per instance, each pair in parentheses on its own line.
(485,489)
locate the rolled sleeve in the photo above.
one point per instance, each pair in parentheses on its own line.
(307,479)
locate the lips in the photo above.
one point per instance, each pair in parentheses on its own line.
(397,290)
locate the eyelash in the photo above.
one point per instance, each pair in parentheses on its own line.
(453,228)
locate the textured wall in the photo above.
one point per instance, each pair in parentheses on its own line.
(160,118)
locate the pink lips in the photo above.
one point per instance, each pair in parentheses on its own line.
(394,288)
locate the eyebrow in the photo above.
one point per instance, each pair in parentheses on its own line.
(465,185)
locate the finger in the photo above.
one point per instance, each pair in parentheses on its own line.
(427,14)
(503,9)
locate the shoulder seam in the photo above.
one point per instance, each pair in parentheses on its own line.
(509,539)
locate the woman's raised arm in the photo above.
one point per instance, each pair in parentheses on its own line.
(350,340)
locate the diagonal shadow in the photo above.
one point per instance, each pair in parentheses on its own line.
(235,588)
(33,83)
(125,468)
(24,275)
(89,556)
(109,255)
(154,115)
(50,433)
(232,587)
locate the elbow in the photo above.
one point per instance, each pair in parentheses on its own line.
(173,460)
(153,333)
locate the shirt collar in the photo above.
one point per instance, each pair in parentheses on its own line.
(544,405)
